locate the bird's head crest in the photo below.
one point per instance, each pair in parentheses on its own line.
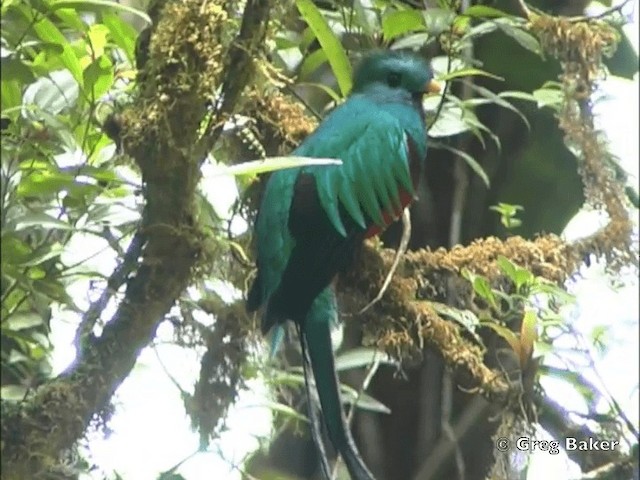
(395,69)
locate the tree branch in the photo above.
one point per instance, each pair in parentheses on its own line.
(160,130)
(238,68)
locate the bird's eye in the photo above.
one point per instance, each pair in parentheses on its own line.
(393,80)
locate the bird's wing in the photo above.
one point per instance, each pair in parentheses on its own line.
(373,145)
(376,172)
(274,242)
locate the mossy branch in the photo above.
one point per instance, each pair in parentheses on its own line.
(180,74)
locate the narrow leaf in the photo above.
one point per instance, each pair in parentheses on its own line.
(92,5)
(483,11)
(528,336)
(22,320)
(472,162)
(399,22)
(467,72)
(363,401)
(525,39)
(329,42)
(361,357)
(510,337)
(273,163)
(42,220)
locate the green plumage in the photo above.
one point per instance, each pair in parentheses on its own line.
(312,219)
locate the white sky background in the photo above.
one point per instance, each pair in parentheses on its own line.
(151,432)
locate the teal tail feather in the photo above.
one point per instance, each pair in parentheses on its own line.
(277,338)
(316,341)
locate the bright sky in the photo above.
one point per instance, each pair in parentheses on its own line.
(151,433)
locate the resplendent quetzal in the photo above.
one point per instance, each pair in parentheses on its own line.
(313,218)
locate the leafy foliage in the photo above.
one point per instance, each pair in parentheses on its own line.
(62,179)
(71,196)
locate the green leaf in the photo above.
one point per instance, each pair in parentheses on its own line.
(450,120)
(40,256)
(582,385)
(549,97)
(362,357)
(55,291)
(523,278)
(43,183)
(399,22)
(48,32)
(528,336)
(510,336)
(413,41)
(482,287)
(21,320)
(283,409)
(466,318)
(483,11)
(42,220)
(312,62)
(479,30)
(53,94)
(364,401)
(507,267)
(467,72)
(122,34)
(13,393)
(517,95)
(470,161)
(366,18)
(98,77)
(71,18)
(329,42)
(14,250)
(97,36)
(11,95)
(525,39)
(438,20)
(325,88)
(15,69)
(273,163)
(498,100)
(101,5)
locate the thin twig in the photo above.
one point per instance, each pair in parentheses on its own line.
(402,248)
(375,364)
(115,281)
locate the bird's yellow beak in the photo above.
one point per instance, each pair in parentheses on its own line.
(432,87)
